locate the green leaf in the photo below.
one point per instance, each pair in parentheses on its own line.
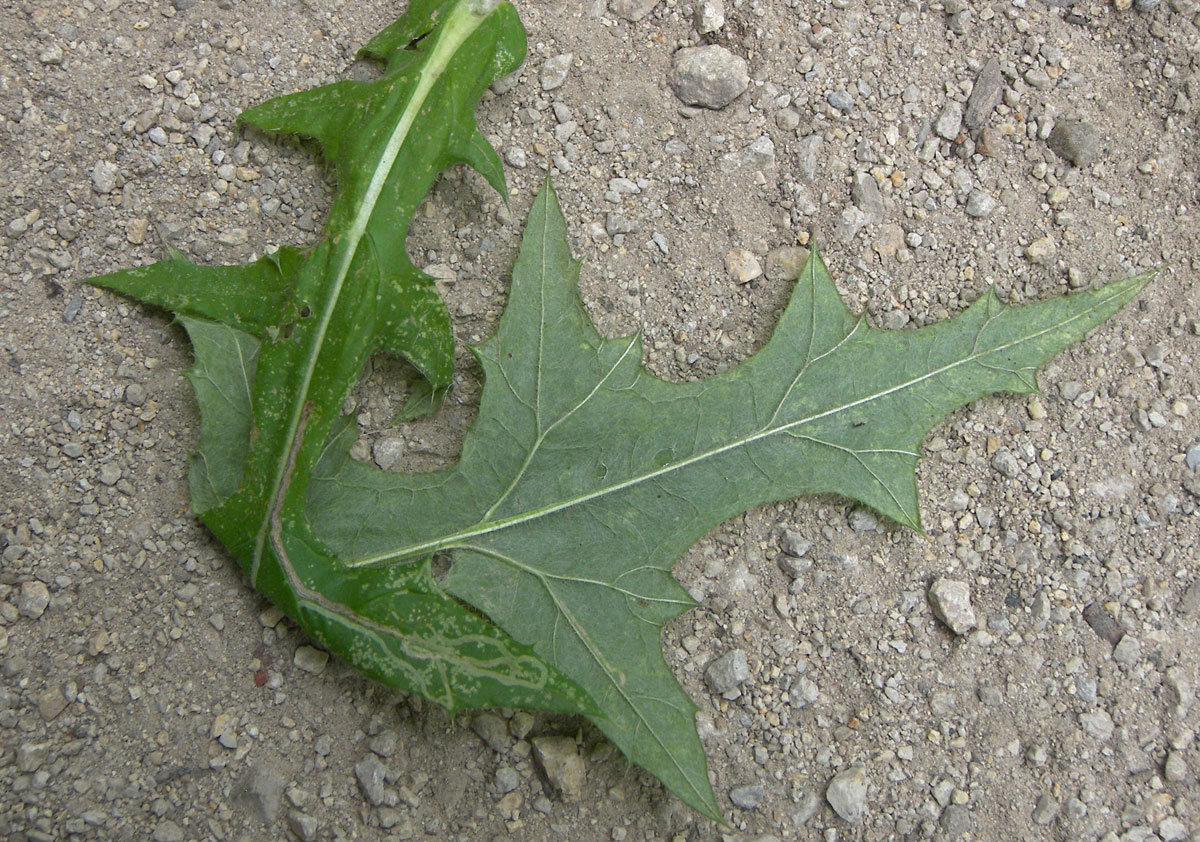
(584,477)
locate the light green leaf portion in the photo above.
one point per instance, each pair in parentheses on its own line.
(584,477)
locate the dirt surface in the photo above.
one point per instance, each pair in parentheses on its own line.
(148,693)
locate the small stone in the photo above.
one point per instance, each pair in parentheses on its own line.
(554,71)
(794,544)
(980,205)
(1004,462)
(492,730)
(507,779)
(951,603)
(747,797)
(709,76)
(949,121)
(726,673)
(234,237)
(1098,724)
(955,821)
(110,473)
(807,154)
(1102,623)
(51,704)
(632,10)
(847,793)
(890,240)
(841,100)
(262,792)
(383,744)
(370,773)
(864,191)
(1128,650)
(985,96)
(564,767)
(31,756)
(304,826)
(742,266)
(615,223)
(849,223)
(168,831)
(1075,141)
(104,177)
(785,263)
(51,55)
(135,394)
(1176,768)
(1171,829)
(387,452)
(759,155)
(34,599)
(708,16)
(311,659)
(1045,810)
(1041,251)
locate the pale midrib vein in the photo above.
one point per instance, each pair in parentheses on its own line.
(462,22)
(451,541)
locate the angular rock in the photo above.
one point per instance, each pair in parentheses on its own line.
(311,659)
(262,792)
(34,599)
(747,797)
(167,831)
(727,672)
(304,826)
(370,773)
(708,16)
(949,121)
(980,204)
(1041,251)
(847,793)
(760,155)
(807,151)
(1128,650)
(785,263)
(104,177)
(742,266)
(560,760)
(492,730)
(1102,623)
(1075,141)
(632,10)
(710,76)
(951,603)
(864,191)
(554,71)
(985,96)
(1098,724)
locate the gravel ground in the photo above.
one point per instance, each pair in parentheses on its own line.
(1024,670)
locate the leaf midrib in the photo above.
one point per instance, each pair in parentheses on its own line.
(462,22)
(457,539)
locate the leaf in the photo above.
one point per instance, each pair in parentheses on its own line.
(584,477)
(280,343)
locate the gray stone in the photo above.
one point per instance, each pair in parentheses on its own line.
(507,779)
(1171,829)
(980,205)
(747,797)
(710,76)
(1075,141)
(560,760)
(370,773)
(727,672)
(615,223)
(387,452)
(1128,650)
(864,191)
(951,603)
(807,151)
(955,821)
(841,100)
(1041,251)
(742,266)
(492,730)
(311,659)
(794,544)
(1193,457)
(785,263)
(554,71)
(1045,810)
(1004,462)
(110,473)
(632,10)
(168,831)
(949,121)
(759,155)
(708,16)
(847,793)
(1102,623)
(31,756)
(262,792)
(34,599)
(304,826)
(1176,768)
(104,177)
(1098,724)
(849,223)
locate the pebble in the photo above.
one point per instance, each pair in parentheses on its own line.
(785,263)
(263,792)
(841,100)
(632,10)
(51,55)
(370,773)
(1041,251)
(727,672)
(759,155)
(1193,457)
(985,96)
(387,452)
(34,599)
(951,603)
(849,223)
(554,71)
(1045,810)
(492,730)
(311,659)
(955,821)
(949,121)
(1128,650)
(847,793)
(864,191)
(104,177)
(1075,141)
(708,16)
(1098,724)
(507,779)
(515,156)
(980,204)
(562,763)
(1176,768)
(807,152)
(110,473)
(1102,623)
(709,76)
(303,825)
(742,266)
(168,831)
(1171,829)
(747,797)
(51,703)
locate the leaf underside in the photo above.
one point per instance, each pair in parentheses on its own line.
(584,477)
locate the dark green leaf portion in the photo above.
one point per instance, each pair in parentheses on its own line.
(585,478)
